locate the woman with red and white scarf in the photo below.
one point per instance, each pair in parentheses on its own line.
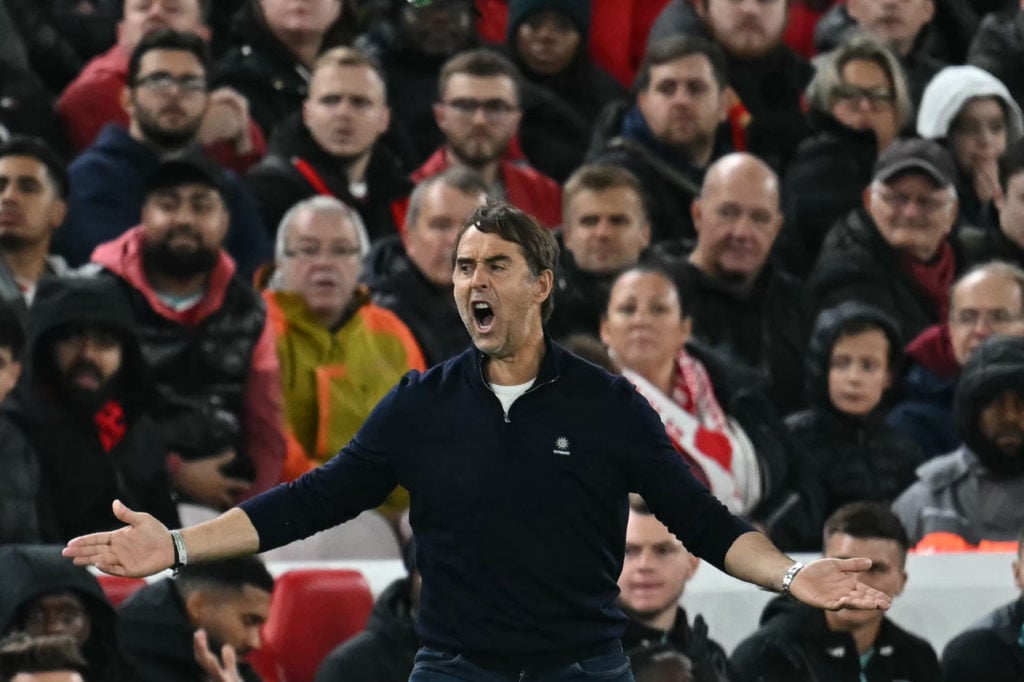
(645,329)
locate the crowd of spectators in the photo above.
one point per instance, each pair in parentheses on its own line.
(796,226)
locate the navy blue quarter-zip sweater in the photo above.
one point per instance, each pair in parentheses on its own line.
(519,518)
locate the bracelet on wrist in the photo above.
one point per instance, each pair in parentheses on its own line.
(787,579)
(180,554)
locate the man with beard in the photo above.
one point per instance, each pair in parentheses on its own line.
(974,492)
(478,112)
(33,188)
(673,131)
(654,574)
(166,100)
(85,409)
(332,147)
(206,608)
(94,98)
(204,335)
(767,78)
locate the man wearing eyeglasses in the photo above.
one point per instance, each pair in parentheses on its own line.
(988,299)
(205,336)
(94,98)
(894,253)
(974,492)
(339,352)
(166,101)
(478,113)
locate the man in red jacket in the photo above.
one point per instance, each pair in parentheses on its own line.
(478,112)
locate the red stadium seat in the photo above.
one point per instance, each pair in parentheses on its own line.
(312,611)
(117,589)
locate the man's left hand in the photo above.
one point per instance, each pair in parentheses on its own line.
(223,670)
(835,584)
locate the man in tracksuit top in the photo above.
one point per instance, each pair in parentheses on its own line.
(518,458)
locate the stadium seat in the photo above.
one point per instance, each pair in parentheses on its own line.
(312,611)
(117,589)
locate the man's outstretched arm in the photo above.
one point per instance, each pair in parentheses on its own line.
(825,583)
(144,546)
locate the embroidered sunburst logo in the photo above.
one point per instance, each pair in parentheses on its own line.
(561,446)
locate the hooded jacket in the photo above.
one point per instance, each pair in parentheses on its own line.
(384,650)
(844,458)
(215,364)
(795,644)
(80,477)
(33,571)
(975,491)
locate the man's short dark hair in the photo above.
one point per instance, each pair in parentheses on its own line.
(466,180)
(23,653)
(1011,163)
(868,521)
(168,39)
(480,62)
(671,48)
(538,245)
(599,177)
(36,148)
(12,331)
(226,574)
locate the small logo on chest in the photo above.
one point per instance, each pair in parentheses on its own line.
(561,446)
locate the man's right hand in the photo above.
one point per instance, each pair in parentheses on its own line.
(142,548)
(202,481)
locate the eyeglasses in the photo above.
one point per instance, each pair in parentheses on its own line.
(994,319)
(310,252)
(900,202)
(162,82)
(877,98)
(493,109)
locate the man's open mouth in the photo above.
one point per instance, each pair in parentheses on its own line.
(483,315)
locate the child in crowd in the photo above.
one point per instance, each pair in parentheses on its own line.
(848,453)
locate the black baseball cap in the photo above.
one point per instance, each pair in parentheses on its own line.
(925,156)
(187,169)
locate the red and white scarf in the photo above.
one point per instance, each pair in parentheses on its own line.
(714,445)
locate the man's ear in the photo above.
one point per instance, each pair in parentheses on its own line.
(196,604)
(545,282)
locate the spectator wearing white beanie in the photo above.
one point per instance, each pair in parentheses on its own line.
(973,113)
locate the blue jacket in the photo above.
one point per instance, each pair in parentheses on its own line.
(519,518)
(107,190)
